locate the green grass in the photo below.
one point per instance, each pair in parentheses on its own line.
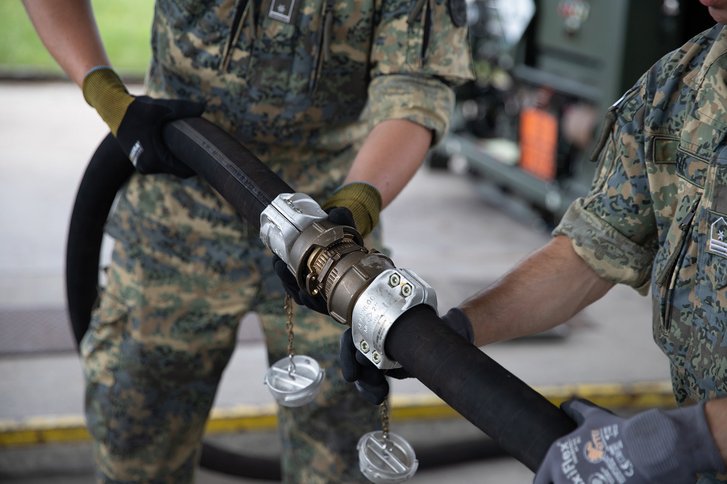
(124,27)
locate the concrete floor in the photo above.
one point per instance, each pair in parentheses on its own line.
(439,227)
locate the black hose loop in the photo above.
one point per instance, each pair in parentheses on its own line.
(108,170)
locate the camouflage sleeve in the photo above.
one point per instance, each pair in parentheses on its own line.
(418,56)
(613,228)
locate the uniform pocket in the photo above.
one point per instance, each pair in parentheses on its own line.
(279,67)
(105,332)
(676,252)
(322,54)
(418,30)
(238,41)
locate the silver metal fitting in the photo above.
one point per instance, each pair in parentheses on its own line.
(361,287)
(282,222)
(390,294)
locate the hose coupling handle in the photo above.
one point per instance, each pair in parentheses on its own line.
(284,219)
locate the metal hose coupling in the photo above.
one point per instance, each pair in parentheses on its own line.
(391,293)
(362,288)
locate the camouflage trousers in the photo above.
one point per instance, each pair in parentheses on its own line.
(183,273)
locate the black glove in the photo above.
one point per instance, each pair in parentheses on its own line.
(336,215)
(369,380)
(140,134)
(137,121)
(654,446)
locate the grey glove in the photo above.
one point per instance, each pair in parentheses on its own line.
(655,446)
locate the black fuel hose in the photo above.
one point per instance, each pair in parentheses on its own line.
(108,170)
(514,415)
(517,419)
(238,175)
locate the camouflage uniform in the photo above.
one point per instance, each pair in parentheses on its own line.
(656,216)
(301,96)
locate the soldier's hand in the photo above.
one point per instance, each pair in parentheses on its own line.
(650,447)
(363,202)
(137,121)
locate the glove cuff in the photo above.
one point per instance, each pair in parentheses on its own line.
(458,321)
(105,91)
(692,424)
(672,443)
(364,202)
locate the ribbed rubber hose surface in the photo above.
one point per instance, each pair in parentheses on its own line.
(240,177)
(519,419)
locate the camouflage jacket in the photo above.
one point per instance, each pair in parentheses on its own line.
(656,216)
(302,81)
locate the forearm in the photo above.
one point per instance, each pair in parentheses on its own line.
(68,30)
(390,156)
(716,413)
(542,291)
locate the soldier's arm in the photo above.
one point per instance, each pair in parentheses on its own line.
(601,240)
(542,291)
(69,32)
(716,412)
(417,58)
(391,154)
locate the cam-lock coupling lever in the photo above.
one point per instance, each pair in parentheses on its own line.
(362,288)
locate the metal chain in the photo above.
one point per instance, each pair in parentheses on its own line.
(289,323)
(384,412)
(288,306)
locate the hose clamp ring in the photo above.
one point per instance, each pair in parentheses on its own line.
(390,294)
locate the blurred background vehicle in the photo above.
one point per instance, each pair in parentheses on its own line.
(547,72)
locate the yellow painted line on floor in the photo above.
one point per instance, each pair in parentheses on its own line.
(634,396)
(38,430)
(241,418)
(404,408)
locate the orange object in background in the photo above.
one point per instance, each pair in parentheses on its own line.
(538,142)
